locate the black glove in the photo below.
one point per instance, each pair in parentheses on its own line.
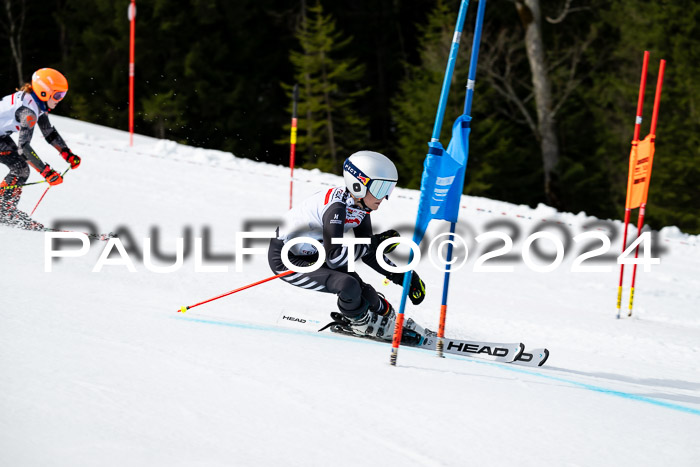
(379,238)
(417,290)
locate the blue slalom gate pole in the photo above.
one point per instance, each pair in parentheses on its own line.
(467,121)
(475,57)
(449,70)
(437,127)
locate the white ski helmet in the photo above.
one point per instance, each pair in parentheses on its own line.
(368,170)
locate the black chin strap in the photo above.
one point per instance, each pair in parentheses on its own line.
(364,206)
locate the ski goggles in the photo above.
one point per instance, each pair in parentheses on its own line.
(381,188)
(378,187)
(58,95)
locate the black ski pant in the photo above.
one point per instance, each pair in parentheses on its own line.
(354,296)
(19,170)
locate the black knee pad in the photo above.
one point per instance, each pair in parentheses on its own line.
(350,300)
(350,289)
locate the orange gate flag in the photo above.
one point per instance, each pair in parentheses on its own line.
(641,161)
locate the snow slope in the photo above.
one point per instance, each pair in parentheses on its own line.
(98,368)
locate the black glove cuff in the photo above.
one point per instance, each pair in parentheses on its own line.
(396,277)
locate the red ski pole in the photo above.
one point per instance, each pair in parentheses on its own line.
(46,191)
(185,308)
(42,197)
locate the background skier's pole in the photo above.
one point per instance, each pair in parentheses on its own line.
(643,206)
(633,154)
(185,308)
(293,143)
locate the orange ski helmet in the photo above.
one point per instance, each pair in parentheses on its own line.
(48,83)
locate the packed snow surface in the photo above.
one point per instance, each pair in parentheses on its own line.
(98,367)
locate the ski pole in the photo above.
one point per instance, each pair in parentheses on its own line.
(46,191)
(185,308)
(10,187)
(42,197)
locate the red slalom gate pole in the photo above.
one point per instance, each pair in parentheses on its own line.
(293,143)
(132,19)
(635,142)
(642,208)
(185,308)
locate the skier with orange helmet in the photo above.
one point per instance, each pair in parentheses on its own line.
(20,112)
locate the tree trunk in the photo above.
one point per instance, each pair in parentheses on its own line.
(329,115)
(14,34)
(307,87)
(62,33)
(531,18)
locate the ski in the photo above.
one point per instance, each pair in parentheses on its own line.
(96,236)
(499,352)
(27,223)
(417,336)
(534,357)
(513,353)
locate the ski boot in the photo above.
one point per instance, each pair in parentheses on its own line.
(378,323)
(9,215)
(416,335)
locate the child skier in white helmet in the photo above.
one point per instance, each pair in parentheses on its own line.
(370,178)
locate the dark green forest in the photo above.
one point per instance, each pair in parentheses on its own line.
(219,74)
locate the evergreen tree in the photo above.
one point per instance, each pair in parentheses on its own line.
(669,30)
(385,38)
(96,64)
(500,164)
(208,73)
(162,111)
(330,128)
(417,100)
(199,76)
